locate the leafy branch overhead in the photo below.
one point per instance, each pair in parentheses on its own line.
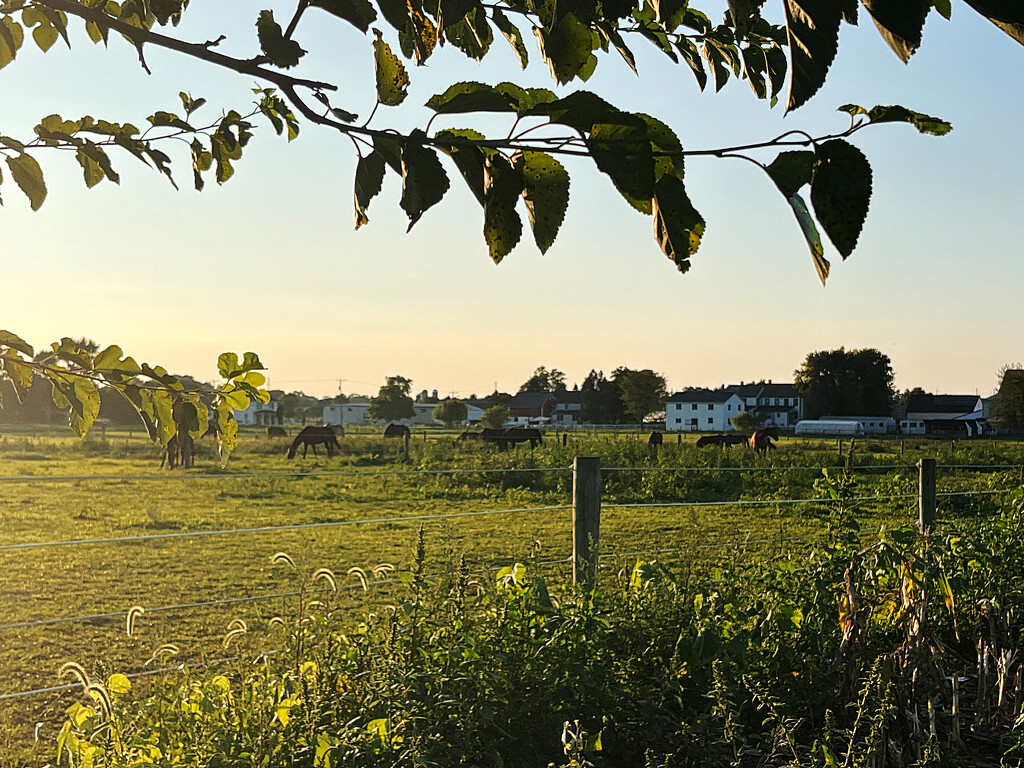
(165,406)
(517,168)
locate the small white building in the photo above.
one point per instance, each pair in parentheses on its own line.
(568,411)
(347,414)
(258,414)
(835,427)
(871,425)
(702,410)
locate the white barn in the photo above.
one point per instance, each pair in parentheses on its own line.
(702,410)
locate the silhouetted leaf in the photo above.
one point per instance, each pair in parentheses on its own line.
(897,114)
(546,192)
(369,177)
(812,27)
(502,226)
(12,35)
(691,55)
(623,151)
(611,34)
(900,23)
(359,13)
(471,97)
(29,176)
(282,51)
(472,34)
(14,341)
(791,170)
(567,48)
(468,159)
(841,192)
(678,227)
(810,231)
(392,79)
(664,140)
(513,35)
(1008,15)
(424,181)
(579,110)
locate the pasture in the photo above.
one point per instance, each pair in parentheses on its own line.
(91,528)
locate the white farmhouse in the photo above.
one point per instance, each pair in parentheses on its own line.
(258,413)
(702,410)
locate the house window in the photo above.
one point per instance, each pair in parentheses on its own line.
(695,406)
(710,406)
(678,420)
(693,423)
(711,421)
(729,407)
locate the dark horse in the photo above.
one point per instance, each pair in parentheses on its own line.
(312,437)
(396,430)
(273,431)
(656,439)
(705,440)
(509,438)
(761,440)
(180,449)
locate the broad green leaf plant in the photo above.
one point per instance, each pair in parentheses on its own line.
(165,406)
(642,156)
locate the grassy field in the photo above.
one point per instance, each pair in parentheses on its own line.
(57,489)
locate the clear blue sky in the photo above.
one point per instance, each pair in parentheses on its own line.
(270,262)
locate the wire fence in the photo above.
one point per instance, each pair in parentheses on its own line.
(425,517)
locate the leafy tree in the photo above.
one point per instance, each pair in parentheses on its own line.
(642,392)
(544,380)
(450,411)
(299,405)
(642,156)
(1008,406)
(904,397)
(746,421)
(601,400)
(494,417)
(167,405)
(392,402)
(840,383)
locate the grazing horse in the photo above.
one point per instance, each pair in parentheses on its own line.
(273,431)
(180,449)
(468,436)
(508,438)
(761,440)
(731,440)
(396,430)
(312,437)
(705,440)
(656,439)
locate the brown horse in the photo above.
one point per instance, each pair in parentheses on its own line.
(275,431)
(180,449)
(312,437)
(761,440)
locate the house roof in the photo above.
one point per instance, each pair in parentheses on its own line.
(764,389)
(530,399)
(954,405)
(702,396)
(568,397)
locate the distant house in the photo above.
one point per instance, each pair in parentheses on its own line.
(870,425)
(531,407)
(568,410)
(780,405)
(347,414)
(945,415)
(702,410)
(259,414)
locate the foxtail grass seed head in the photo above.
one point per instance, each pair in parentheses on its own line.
(282,558)
(165,651)
(133,613)
(75,670)
(381,570)
(327,576)
(360,574)
(100,696)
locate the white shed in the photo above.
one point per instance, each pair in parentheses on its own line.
(836,427)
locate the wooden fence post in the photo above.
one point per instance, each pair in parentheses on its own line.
(586,519)
(926,495)
(408,438)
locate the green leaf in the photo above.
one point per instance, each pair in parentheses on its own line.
(12,35)
(579,110)
(841,192)
(933,126)
(424,181)
(369,178)
(358,13)
(118,684)
(945,9)
(468,159)
(502,226)
(812,27)
(567,48)
(810,230)
(691,55)
(228,429)
(678,227)
(19,374)
(900,23)
(791,170)
(12,340)
(513,35)
(282,51)
(623,151)
(79,395)
(472,34)
(29,177)
(471,97)
(392,79)
(611,34)
(546,193)
(667,149)
(45,35)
